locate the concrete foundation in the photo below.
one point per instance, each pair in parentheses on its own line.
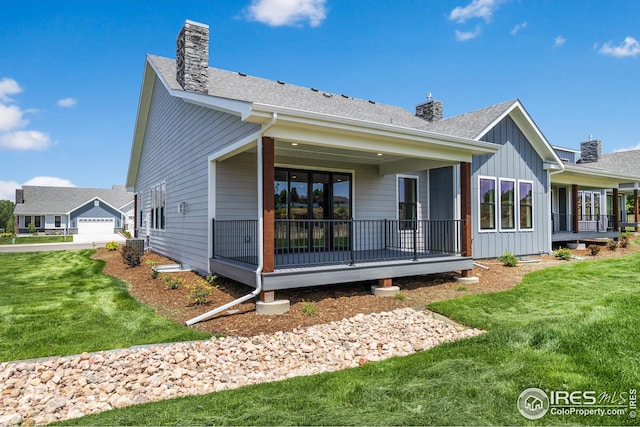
(280,306)
(467,280)
(384,291)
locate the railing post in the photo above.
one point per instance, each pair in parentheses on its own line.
(415,239)
(213,237)
(352,242)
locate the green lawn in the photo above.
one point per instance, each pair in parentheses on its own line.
(60,303)
(22,240)
(568,328)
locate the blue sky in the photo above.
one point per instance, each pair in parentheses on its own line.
(71,71)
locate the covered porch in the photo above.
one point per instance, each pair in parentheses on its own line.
(336,208)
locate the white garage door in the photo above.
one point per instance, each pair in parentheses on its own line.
(95,225)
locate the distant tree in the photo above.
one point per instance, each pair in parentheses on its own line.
(11,223)
(6,212)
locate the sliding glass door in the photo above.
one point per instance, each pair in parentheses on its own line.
(311,202)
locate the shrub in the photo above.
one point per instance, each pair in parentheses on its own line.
(111,246)
(199,291)
(593,249)
(32,228)
(400,297)
(151,262)
(624,240)
(126,234)
(211,279)
(131,256)
(612,245)
(563,254)
(171,282)
(7,235)
(461,288)
(309,309)
(154,274)
(508,259)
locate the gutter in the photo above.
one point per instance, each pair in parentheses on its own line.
(260,242)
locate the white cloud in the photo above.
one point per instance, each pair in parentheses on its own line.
(462,36)
(25,140)
(517,28)
(8,87)
(11,118)
(559,41)
(8,190)
(476,9)
(630,47)
(66,102)
(49,181)
(277,13)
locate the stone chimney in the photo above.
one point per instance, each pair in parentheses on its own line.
(192,57)
(430,111)
(19,196)
(590,151)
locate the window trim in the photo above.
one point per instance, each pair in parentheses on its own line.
(495,205)
(515,206)
(417,203)
(533,205)
(158,206)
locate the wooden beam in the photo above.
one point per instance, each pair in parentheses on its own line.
(574,207)
(616,210)
(465,209)
(268,177)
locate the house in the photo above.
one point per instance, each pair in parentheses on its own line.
(73,210)
(589,196)
(281,186)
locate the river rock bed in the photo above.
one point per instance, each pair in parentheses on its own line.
(44,391)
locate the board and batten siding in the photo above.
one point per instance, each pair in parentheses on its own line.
(517,159)
(179,137)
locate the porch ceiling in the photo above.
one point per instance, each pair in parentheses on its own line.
(387,163)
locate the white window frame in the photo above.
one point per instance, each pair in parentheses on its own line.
(516,216)
(158,198)
(417,178)
(495,202)
(533,205)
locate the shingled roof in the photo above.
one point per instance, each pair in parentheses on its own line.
(626,162)
(242,87)
(62,200)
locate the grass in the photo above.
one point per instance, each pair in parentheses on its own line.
(23,240)
(60,303)
(572,327)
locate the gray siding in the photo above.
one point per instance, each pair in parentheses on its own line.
(91,211)
(565,155)
(179,137)
(517,159)
(441,191)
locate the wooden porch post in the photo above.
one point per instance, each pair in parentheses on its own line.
(635,209)
(574,207)
(465,212)
(268,177)
(616,210)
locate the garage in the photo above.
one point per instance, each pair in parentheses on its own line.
(96,225)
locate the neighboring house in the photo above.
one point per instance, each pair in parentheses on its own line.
(589,196)
(73,210)
(280,186)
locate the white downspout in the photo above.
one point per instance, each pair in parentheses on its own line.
(260,241)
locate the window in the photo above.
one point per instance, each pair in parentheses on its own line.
(140,211)
(96,203)
(507,204)
(487,204)
(158,206)
(57,221)
(525,193)
(407,202)
(27,221)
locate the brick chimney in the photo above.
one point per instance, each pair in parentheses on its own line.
(192,57)
(430,111)
(591,150)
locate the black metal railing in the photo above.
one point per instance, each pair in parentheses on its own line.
(323,242)
(236,240)
(597,223)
